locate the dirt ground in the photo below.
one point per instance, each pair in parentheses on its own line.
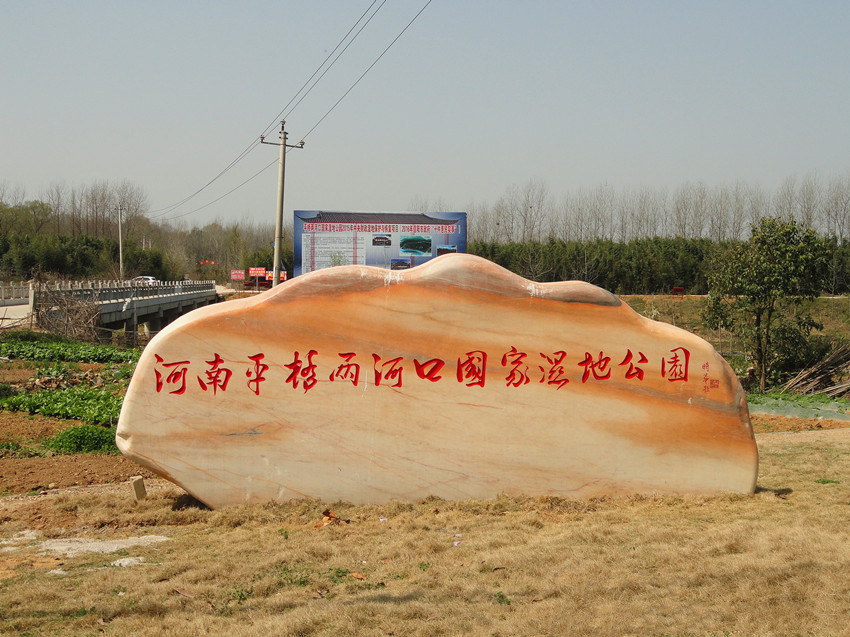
(24,475)
(768,423)
(27,475)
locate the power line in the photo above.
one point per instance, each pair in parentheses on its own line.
(367,70)
(281,115)
(330,66)
(316,125)
(256,142)
(240,157)
(251,178)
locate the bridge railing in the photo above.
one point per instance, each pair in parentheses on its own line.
(110,291)
(14,293)
(21,292)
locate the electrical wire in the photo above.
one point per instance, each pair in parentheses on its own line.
(316,125)
(235,188)
(330,66)
(172,207)
(163,211)
(357,81)
(281,115)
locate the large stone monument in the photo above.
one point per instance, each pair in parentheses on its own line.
(456,378)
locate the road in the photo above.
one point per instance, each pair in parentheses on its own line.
(14,315)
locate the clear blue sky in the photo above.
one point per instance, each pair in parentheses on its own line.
(476,96)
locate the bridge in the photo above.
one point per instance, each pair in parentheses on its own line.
(121,304)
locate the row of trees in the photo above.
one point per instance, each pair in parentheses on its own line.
(583,234)
(90,210)
(693,211)
(758,257)
(73,231)
(25,256)
(643,266)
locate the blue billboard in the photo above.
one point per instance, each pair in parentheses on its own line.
(390,240)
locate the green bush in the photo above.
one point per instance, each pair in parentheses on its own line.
(83,439)
(6,391)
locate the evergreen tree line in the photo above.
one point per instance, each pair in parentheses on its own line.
(641,266)
(81,257)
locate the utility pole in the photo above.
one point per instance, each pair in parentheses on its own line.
(120,244)
(278,230)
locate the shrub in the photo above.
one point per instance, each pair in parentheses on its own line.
(83,439)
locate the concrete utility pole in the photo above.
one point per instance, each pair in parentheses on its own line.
(120,245)
(278,229)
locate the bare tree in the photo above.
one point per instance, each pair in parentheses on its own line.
(132,201)
(785,199)
(535,206)
(683,209)
(837,208)
(737,211)
(602,204)
(12,195)
(97,202)
(481,225)
(809,201)
(56,196)
(758,206)
(562,220)
(717,205)
(424,204)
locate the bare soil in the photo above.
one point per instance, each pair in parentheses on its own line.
(768,423)
(24,475)
(27,475)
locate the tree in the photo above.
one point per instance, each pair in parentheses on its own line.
(756,284)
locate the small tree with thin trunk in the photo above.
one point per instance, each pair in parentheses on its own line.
(757,286)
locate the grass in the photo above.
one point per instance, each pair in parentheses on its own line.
(771,563)
(800,400)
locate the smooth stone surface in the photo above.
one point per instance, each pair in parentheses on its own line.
(331,386)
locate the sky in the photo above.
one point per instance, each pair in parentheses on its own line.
(475,97)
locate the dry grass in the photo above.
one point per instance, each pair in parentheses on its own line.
(776,563)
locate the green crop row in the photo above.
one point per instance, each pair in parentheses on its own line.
(42,347)
(77,352)
(95,406)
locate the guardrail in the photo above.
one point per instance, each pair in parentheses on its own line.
(107,291)
(25,292)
